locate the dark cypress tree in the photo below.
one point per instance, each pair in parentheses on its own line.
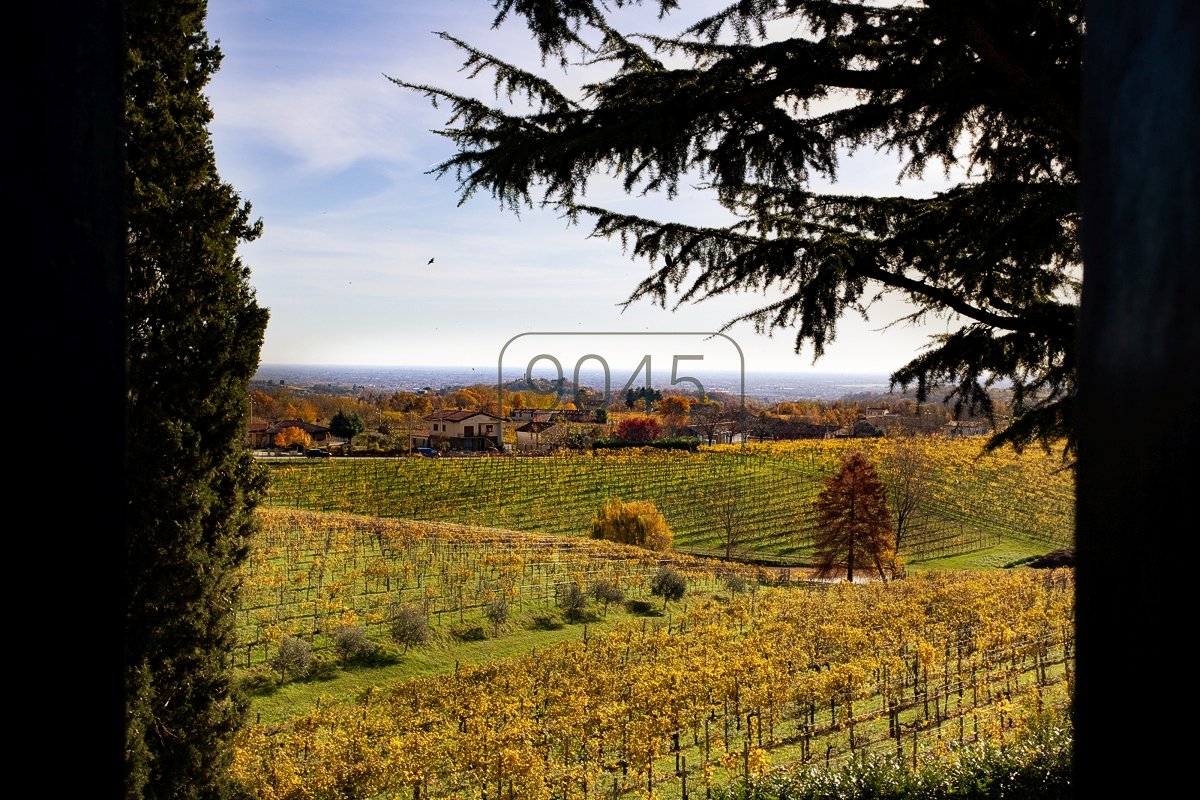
(346,424)
(194,338)
(758,104)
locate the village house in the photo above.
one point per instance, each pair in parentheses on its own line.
(539,436)
(861,429)
(465,430)
(526,414)
(552,415)
(967,427)
(723,432)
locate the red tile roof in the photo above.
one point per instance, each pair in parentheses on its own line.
(307,427)
(456,415)
(535,427)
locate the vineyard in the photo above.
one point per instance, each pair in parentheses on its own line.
(309,573)
(761,493)
(740,682)
(758,668)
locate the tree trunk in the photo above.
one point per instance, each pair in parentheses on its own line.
(1139,342)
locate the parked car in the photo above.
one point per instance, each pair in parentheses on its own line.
(318,454)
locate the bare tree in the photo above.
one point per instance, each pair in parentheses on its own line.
(713,421)
(725,503)
(905,473)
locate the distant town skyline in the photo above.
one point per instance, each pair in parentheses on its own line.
(810,385)
(365,259)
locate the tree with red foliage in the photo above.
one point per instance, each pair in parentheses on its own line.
(854,525)
(639,429)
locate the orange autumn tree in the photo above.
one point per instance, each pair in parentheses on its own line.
(854,526)
(674,409)
(292,436)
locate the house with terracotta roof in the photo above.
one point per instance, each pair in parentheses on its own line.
(578,415)
(539,435)
(257,436)
(466,430)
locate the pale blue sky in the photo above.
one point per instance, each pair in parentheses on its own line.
(333,158)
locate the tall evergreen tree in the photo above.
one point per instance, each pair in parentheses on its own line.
(346,424)
(758,104)
(194,338)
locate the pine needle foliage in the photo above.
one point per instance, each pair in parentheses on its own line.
(759,105)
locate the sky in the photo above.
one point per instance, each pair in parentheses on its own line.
(334,158)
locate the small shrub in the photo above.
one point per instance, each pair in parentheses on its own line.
(571,600)
(410,627)
(545,623)
(385,654)
(638,429)
(1054,559)
(351,643)
(668,584)
(468,633)
(640,608)
(735,584)
(497,613)
(607,591)
(293,659)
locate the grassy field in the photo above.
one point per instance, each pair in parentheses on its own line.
(275,702)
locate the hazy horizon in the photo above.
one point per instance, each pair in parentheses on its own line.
(765,383)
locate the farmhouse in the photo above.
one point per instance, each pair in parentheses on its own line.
(552,415)
(257,436)
(538,436)
(861,429)
(723,432)
(967,427)
(466,430)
